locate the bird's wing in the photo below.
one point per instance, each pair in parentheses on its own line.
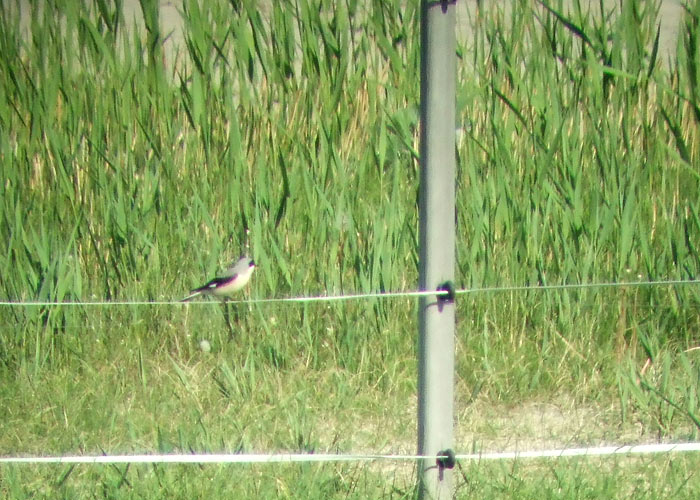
(227,276)
(219,280)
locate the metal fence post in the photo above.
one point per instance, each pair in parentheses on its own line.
(437,245)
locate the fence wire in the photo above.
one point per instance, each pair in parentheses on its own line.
(306,457)
(243,458)
(360,296)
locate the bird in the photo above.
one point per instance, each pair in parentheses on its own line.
(229,282)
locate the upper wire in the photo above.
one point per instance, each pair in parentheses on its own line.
(358,296)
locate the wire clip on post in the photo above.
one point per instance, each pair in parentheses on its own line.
(446,298)
(446,459)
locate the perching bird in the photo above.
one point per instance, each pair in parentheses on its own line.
(229,282)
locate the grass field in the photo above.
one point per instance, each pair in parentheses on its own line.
(133,173)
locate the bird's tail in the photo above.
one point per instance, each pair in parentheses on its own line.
(192,295)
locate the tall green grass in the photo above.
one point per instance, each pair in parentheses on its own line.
(133,170)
